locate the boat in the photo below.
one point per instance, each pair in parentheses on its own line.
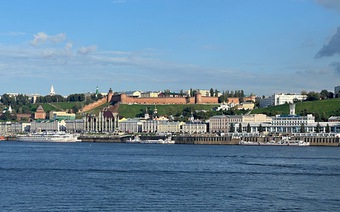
(49,137)
(249,143)
(136,139)
(285,141)
(2,138)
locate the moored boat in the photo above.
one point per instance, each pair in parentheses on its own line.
(136,139)
(49,137)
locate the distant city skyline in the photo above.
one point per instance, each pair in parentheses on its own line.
(261,47)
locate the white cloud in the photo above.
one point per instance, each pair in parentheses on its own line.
(42,38)
(87,50)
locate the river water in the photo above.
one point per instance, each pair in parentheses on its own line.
(151,177)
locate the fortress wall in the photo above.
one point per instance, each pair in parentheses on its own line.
(162,100)
(94,104)
(124,99)
(208,100)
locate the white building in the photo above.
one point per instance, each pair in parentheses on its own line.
(169,127)
(149,126)
(46,125)
(130,126)
(194,128)
(280,99)
(150,94)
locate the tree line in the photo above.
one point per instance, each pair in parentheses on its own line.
(22,103)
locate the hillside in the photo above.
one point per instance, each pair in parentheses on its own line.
(54,106)
(321,109)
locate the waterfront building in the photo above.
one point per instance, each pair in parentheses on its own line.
(46,125)
(194,127)
(5,127)
(221,123)
(106,121)
(169,127)
(14,127)
(130,126)
(149,126)
(77,125)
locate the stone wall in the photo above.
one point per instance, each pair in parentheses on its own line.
(94,104)
(198,99)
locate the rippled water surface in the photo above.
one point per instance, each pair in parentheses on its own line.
(151,177)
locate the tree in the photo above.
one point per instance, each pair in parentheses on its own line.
(302,128)
(232,128)
(318,128)
(239,128)
(324,94)
(211,92)
(216,93)
(327,129)
(312,96)
(248,128)
(303,92)
(260,128)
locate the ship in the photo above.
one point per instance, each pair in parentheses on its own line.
(136,139)
(49,137)
(285,141)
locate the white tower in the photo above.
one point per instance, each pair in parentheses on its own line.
(52,92)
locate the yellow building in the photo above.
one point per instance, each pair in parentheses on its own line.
(61,115)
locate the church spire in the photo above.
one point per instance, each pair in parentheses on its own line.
(52,92)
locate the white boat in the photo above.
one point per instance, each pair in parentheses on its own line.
(282,142)
(150,141)
(136,139)
(49,137)
(249,143)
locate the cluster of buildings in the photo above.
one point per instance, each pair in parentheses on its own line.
(108,122)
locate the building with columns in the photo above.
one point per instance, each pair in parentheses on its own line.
(106,121)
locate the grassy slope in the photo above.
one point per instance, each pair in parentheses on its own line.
(55,106)
(130,111)
(327,107)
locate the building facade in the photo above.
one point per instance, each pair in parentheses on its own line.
(40,113)
(61,115)
(106,121)
(280,99)
(169,127)
(194,128)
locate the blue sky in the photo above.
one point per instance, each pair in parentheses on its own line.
(260,46)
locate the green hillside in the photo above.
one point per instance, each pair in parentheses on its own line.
(54,106)
(321,109)
(135,110)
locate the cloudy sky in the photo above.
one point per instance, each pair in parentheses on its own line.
(260,46)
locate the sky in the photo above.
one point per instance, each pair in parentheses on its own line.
(260,46)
